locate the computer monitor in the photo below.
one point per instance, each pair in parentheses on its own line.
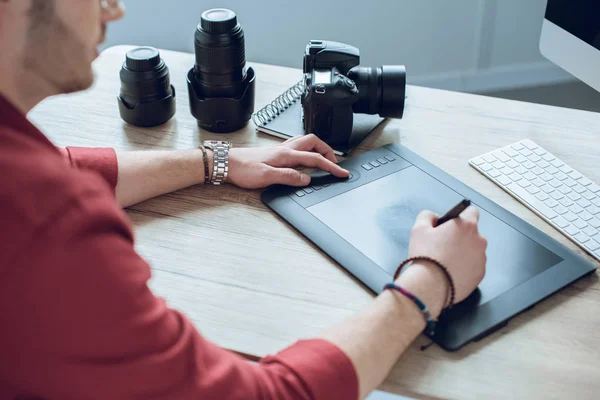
(571,38)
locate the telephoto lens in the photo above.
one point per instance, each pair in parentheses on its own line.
(220,86)
(382,90)
(147,97)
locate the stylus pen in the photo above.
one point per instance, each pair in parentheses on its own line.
(454,212)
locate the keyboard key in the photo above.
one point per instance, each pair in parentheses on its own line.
(539,151)
(317,187)
(594,222)
(520,159)
(300,193)
(582,237)
(596,202)
(382,161)
(548,157)
(540,195)
(503,179)
(570,182)
(489,158)
(555,183)
(579,224)
(390,158)
(551,203)
(575,208)
(538,182)
(537,170)
(520,170)
(517,146)
(529,176)
(564,189)
(560,176)
(593,245)
(591,232)
(515,177)
(327,185)
(556,163)
(512,164)
(573,196)
(579,189)
(506,170)
(583,203)
(586,216)
(560,209)
(529,144)
(589,195)
(375,164)
(486,167)
(534,158)
(547,177)
(500,155)
(308,190)
(592,209)
(525,152)
(575,175)
(543,164)
(533,190)
(560,222)
(547,188)
(571,230)
(565,168)
(529,165)
(524,183)
(566,202)
(368,167)
(556,195)
(594,188)
(570,217)
(552,170)
(494,173)
(535,203)
(510,151)
(585,181)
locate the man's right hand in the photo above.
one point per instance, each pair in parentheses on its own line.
(456,244)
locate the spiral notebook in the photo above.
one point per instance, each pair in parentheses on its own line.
(282,118)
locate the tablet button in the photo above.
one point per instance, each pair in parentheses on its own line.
(299,193)
(317,187)
(382,161)
(367,167)
(308,190)
(390,158)
(375,164)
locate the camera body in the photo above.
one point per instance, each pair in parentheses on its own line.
(335,88)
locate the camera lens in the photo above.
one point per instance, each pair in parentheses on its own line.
(147,97)
(382,90)
(221,88)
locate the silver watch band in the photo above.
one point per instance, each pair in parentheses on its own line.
(220,160)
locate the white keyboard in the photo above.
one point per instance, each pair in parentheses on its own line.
(556,192)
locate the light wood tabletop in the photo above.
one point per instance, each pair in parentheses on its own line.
(252,284)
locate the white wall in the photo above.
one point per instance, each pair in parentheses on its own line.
(469,45)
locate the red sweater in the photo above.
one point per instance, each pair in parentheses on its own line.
(77,319)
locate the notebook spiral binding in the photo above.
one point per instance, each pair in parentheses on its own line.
(279,105)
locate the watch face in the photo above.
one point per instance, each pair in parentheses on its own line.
(214,143)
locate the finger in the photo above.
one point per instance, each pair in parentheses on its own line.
(427,218)
(313,143)
(470,214)
(315,160)
(287,176)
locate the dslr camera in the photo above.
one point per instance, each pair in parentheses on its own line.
(336,87)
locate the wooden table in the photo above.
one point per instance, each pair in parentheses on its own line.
(254,285)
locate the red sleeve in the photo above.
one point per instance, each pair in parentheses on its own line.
(84,324)
(101,160)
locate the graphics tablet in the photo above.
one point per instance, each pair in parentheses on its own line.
(364,223)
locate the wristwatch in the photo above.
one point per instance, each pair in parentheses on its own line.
(221,160)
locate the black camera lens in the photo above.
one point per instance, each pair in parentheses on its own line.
(382,90)
(221,88)
(147,97)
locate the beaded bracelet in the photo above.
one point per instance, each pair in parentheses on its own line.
(438,264)
(431,323)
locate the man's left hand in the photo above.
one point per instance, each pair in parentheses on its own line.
(254,168)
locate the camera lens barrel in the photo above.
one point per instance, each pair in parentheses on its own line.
(221,88)
(382,90)
(147,97)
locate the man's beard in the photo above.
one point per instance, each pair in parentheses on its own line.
(53,51)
